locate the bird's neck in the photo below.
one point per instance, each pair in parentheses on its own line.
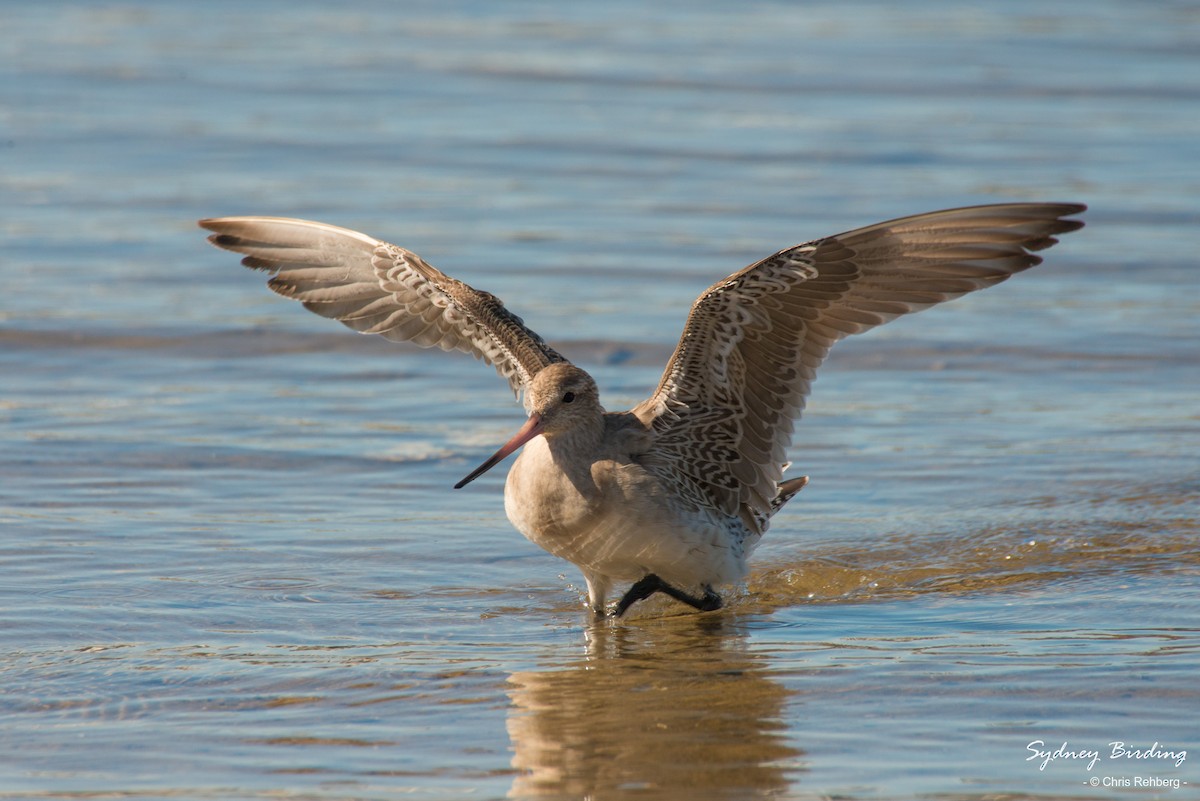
(583,439)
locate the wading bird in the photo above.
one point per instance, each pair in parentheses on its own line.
(674,494)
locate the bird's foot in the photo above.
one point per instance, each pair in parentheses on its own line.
(651,584)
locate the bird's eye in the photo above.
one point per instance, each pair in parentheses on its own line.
(569,397)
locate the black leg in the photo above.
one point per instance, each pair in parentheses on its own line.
(651,584)
(640,591)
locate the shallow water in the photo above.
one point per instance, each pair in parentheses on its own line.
(232,563)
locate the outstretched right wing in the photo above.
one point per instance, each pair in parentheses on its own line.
(724,409)
(379,288)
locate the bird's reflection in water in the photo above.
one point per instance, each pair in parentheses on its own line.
(674,707)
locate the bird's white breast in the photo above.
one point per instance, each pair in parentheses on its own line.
(612,518)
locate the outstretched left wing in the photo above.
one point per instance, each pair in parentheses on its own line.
(378,288)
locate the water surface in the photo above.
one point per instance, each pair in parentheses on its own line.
(232,563)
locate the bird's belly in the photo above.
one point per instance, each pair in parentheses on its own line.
(620,525)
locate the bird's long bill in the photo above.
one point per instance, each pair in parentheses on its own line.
(532,427)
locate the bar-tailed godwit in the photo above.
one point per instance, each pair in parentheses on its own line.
(674,494)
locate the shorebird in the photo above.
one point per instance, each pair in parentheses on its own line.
(674,494)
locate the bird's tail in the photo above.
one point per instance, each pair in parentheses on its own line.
(786,490)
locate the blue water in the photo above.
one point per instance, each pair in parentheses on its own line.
(232,566)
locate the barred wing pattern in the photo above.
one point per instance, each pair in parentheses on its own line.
(724,409)
(378,288)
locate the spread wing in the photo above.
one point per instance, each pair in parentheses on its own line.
(724,409)
(378,288)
